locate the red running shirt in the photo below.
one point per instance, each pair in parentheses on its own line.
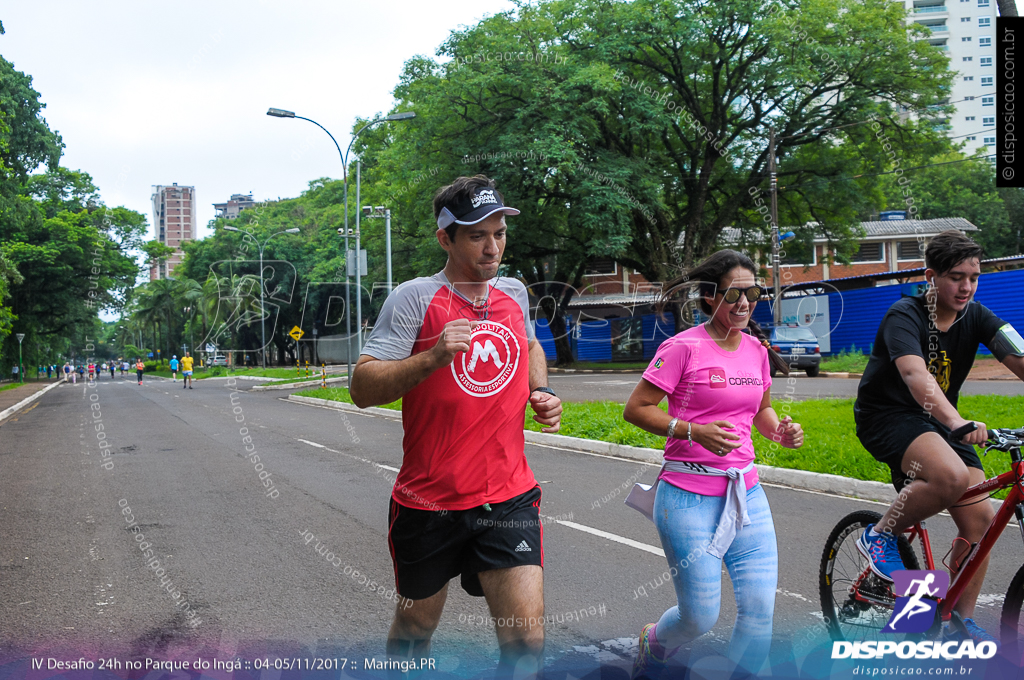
(464,443)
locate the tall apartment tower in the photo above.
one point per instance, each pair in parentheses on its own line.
(965,30)
(174,219)
(233,207)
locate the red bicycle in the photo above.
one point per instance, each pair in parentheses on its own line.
(856,603)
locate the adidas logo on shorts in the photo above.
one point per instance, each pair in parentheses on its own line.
(522,547)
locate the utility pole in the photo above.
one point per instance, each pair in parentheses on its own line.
(387,243)
(21,365)
(359,279)
(774,186)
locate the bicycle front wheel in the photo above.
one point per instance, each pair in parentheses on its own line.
(855,603)
(1011,629)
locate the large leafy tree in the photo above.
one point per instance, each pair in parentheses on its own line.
(641,134)
(73,255)
(701,84)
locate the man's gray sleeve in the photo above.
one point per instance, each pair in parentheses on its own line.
(400,320)
(515,289)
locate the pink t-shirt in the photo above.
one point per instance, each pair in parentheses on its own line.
(706,383)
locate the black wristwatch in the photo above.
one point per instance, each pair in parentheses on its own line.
(546,390)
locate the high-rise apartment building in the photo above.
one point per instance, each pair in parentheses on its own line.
(174,220)
(965,30)
(231,208)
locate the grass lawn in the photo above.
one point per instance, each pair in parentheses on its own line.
(10,386)
(845,362)
(831,445)
(341,394)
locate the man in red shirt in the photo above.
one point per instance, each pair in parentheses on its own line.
(459,349)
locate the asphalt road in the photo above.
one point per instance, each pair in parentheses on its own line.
(618,386)
(75,582)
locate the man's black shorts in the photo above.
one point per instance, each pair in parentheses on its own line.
(888,434)
(429,548)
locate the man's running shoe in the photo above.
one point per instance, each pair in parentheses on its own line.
(646,664)
(881,552)
(977,633)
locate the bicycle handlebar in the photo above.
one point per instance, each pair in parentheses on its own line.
(959,433)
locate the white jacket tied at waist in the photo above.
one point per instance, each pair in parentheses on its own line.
(734,514)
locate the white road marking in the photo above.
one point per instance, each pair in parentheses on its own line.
(611,537)
(783,591)
(354,457)
(990,600)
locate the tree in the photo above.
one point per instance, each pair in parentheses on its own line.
(701,84)
(156,253)
(955,187)
(71,251)
(8,275)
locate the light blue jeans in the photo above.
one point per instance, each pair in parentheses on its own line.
(686,522)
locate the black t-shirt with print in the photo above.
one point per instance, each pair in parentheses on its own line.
(905,330)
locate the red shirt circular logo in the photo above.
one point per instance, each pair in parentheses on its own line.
(491,361)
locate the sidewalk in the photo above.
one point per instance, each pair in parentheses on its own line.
(9,398)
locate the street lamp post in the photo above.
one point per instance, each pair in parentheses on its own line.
(281,113)
(263,312)
(21,366)
(381,211)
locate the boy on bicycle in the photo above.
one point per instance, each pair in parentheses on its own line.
(906,408)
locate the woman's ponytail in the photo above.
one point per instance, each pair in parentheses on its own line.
(773,357)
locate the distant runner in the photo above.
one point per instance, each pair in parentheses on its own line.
(140,368)
(186,371)
(174,367)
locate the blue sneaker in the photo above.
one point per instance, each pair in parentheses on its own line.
(646,664)
(977,633)
(881,553)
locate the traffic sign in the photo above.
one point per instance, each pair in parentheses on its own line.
(296,333)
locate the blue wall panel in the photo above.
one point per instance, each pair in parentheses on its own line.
(854,316)
(594,342)
(1000,292)
(657,331)
(544,337)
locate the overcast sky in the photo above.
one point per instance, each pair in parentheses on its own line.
(155,93)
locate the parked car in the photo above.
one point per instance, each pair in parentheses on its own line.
(799,347)
(218,360)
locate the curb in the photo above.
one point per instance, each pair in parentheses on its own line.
(635,371)
(296,385)
(797,479)
(7,413)
(342,406)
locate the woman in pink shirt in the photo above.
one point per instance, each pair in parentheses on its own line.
(709,506)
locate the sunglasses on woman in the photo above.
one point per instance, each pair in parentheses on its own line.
(753,294)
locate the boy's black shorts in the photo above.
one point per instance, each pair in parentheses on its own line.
(888,434)
(429,548)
